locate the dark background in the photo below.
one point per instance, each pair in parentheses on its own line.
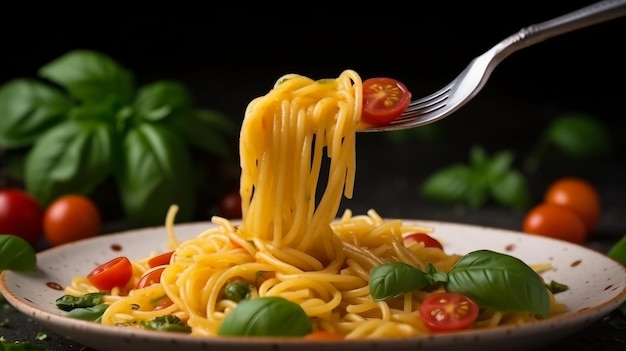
(229,56)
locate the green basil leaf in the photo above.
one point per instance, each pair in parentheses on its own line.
(266,316)
(27,110)
(393,279)
(90,76)
(208,130)
(580,135)
(69,302)
(499,281)
(448,185)
(73,157)
(161,100)
(499,165)
(168,322)
(155,175)
(511,190)
(618,251)
(92,314)
(16,254)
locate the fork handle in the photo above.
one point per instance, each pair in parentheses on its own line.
(584,17)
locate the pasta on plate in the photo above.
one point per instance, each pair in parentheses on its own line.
(291,243)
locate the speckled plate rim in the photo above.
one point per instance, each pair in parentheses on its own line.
(597,286)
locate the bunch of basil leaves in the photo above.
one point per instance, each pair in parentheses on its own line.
(86,122)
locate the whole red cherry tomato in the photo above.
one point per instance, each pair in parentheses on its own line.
(21,215)
(579,195)
(70,218)
(555,221)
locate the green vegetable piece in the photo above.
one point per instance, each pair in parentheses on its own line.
(556,287)
(393,279)
(16,254)
(618,251)
(28,109)
(92,314)
(237,290)
(69,302)
(168,322)
(19,346)
(156,164)
(499,281)
(580,135)
(91,77)
(266,316)
(162,99)
(448,185)
(73,157)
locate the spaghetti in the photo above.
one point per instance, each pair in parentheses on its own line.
(290,242)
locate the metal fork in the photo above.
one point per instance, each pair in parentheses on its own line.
(466,85)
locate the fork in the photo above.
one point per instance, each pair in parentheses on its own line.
(466,85)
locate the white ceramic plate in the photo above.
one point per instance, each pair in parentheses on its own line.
(597,286)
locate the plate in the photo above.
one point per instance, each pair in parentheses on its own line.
(597,285)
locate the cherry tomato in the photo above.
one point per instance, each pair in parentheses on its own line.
(152,277)
(555,221)
(230,205)
(21,215)
(70,218)
(579,195)
(448,311)
(384,99)
(424,239)
(323,335)
(160,260)
(116,272)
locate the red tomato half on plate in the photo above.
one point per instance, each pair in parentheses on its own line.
(448,311)
(384,100)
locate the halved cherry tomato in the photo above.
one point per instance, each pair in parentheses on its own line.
(384,99)
(555,221)
(424,239)
(448,311)
(577,194)
(116,272)
(323,335)
(161,259)
(152,277)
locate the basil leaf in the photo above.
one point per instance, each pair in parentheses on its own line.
(266,316)
(28,109)
(393,279)
(69,302)
(168,322)
(90,76)
(155,174)
(16,254)
(511,190)
(161,100)
(499,281)
(448,185)
(92,314)
(208,130)
(618,251)
(580,136)
(74,156)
